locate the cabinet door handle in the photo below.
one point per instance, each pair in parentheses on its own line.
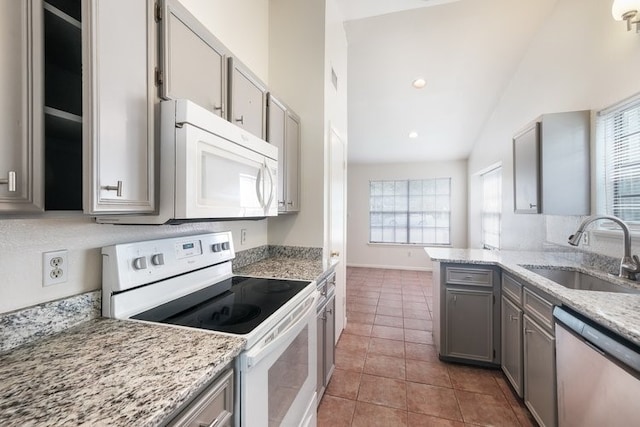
(513,318)
(330,311)
(240,120)
(214,423)
(116,188)
(290,203)
(529,331)
(531,206)
(10,180)
(219,108)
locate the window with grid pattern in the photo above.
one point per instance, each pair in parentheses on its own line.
(619,131)
(410,211)
(491,208)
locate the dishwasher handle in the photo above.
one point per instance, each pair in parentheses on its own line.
(596,336)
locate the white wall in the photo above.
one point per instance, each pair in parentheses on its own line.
(242,27)
(580,59)
(296,70)
(360,252)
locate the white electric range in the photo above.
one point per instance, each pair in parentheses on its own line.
(188,282)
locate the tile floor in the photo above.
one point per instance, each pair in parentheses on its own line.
(387,369)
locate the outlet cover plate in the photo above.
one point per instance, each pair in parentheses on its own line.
(55,267)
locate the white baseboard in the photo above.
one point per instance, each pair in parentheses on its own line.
(390,267)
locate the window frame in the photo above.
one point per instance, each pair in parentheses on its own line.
(406,227)
(497,169)
(606,191)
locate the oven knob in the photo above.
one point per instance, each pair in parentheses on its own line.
(225,246)
(157,259)
(140,263)
(216,247)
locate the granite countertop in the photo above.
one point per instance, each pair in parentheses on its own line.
(288,268)
(110,372)
(619,312)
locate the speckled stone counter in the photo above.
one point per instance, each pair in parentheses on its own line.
(619,312)
(108,372)
(288,268)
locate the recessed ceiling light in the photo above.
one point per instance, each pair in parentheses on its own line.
(413,135)
(419,83)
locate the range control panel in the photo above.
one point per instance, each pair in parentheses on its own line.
(129,265)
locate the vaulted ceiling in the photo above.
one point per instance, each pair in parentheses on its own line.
(466,51)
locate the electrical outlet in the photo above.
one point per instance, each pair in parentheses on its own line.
(585,239)
(55,267)
(243,236)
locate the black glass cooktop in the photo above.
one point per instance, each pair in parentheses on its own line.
(247,303)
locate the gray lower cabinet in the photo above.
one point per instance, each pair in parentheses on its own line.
(326,322)
(512,361)
(469,314)
(212,407)
(528,348)
(469,324)
(539,372)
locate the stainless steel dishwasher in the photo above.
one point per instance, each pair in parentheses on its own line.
(598,374)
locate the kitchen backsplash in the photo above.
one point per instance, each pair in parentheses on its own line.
(250,256)
(29,324)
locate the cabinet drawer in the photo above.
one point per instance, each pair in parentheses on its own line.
(538,308)
(469,276)
(512,288)
(213,407)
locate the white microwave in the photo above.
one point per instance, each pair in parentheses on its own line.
(210,169)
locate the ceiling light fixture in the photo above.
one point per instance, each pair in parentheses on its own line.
(627,10)
(413,135)
(419,83)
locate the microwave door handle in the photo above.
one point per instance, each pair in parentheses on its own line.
(270,187)
(259,189)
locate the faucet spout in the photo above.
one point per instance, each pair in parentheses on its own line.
(629,265)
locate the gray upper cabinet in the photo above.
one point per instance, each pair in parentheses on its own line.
(21,141)
(292,162)
(247,99)
(552,166)
(193,61)
(283,131)
(526,160)
(118,105)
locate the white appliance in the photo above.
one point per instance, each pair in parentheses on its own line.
(188,282)
(209,169)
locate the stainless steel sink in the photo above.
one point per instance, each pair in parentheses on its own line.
(574,279)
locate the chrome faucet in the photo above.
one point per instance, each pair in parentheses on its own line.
(629,265)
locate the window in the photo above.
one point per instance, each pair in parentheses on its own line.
(491,207)
(619,132)
(410,211)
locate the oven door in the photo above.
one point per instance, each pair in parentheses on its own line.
(278,374)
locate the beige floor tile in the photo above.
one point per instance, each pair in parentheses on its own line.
(383,391)
(431,400)
(350,360)
(421,420)
(420,337)
(335,412)
(386,347)
(344,384)
(472,379)
(387,332)
(396,322)
(419,324)
(384,366)
(389,311)
(427,373)
(361,329)
(353,342)
(424,352)
(369,415)
(485,409)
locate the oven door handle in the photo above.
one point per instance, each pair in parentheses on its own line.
(255,355)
